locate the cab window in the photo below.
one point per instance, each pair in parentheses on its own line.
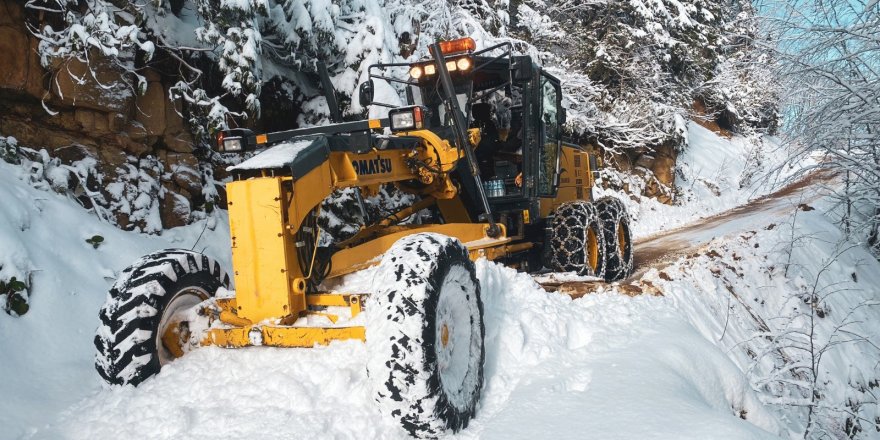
(549,151)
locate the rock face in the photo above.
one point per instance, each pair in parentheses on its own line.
(654,168)
(94,113)
(719,124)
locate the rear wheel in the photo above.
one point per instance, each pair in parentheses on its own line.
(618,238)
(425,335)
(145,320)
(577,243)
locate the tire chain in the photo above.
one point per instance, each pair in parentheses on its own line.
(568,239)
(619,261)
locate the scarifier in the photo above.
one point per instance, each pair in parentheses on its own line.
(516,194)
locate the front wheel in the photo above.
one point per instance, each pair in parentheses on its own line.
(145,320)
(425,335)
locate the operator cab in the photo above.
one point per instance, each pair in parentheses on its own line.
(515,104)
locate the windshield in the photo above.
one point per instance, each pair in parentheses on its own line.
(430,98)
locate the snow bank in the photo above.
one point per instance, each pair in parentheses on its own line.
(796,307)
(610,365)
(553,365)
(47,360)
(705,361)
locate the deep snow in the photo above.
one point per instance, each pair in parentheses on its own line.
(606,365)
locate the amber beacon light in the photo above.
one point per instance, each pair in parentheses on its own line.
(458,46)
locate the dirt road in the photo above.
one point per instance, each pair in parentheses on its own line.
(660,249)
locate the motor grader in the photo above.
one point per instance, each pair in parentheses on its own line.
(501,186)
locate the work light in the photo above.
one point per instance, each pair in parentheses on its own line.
(231,145)
(458,46)
(234,140)
(407,118)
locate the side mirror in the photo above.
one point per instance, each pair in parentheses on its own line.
(365,96)
(522,69)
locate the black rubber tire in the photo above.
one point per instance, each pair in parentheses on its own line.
(126,340)
(427,281)
(616,225)
(573,225)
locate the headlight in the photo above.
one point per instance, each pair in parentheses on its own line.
(407,118)
(231,145)
(463,63)
(403,121)
(236,140)
(415,72)
(430,69)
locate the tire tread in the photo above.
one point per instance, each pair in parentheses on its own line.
(117,325)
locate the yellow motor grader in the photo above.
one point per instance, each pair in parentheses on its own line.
(479,149)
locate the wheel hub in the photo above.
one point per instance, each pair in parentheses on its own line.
(173,331)
(454,348)
(592,249)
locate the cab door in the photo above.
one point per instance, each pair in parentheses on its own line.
(550,135)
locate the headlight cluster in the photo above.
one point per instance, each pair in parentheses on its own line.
(461,64)
(407,118)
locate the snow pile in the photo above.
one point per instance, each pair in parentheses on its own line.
(596,363)
(568,367)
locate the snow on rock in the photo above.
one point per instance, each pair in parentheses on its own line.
(714,174)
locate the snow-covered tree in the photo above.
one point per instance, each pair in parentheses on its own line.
(743,89)
(830,56)
(643,62)
(635,66)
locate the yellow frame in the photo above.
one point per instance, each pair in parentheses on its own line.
(265,213)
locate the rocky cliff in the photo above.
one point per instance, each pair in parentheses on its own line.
(142,162)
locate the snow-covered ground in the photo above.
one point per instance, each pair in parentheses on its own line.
(701,361)
(46,355)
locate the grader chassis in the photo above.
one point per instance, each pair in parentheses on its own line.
(424,326)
